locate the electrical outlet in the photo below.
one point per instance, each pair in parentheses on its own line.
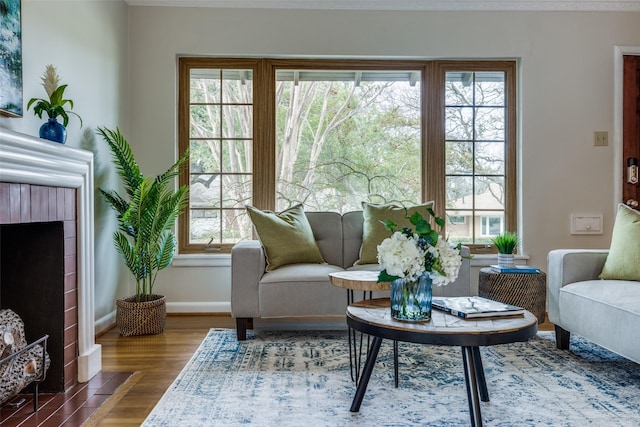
(601,138)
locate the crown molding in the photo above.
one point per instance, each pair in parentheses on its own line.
(408,5)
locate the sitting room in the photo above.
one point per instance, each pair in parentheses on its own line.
(324,118)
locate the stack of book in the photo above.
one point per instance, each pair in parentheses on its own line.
(514,269)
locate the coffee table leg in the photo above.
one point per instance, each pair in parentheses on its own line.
(470,379)
(366,374)
(395,362)
(482,383)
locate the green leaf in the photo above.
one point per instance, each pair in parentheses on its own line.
(386,277)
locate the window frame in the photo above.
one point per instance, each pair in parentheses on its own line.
(264,126)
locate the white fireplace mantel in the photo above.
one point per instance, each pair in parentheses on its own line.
(29,160)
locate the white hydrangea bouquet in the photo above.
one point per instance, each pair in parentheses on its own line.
(409,254)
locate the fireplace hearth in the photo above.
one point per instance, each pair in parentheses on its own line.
(49,186)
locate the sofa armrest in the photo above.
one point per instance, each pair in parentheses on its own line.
(248,264)
(565,266)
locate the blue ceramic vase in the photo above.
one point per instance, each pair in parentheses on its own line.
(53,131)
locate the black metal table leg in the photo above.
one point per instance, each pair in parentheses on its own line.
(395,362)
(482,383)
(470,379)
(366,374)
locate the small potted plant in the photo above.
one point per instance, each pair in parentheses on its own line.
(506,243)
(54,107)
(146,216)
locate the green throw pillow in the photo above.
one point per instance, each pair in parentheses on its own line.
(373,231)
(623,261)
(287,237)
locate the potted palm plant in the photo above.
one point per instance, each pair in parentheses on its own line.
(145,239)
(506,243)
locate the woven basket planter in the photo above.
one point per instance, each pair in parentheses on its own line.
(141,318)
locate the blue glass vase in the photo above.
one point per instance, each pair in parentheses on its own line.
(411,299)
(53,131)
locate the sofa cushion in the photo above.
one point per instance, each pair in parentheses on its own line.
(287,237)
(327,231)
(623,260)
(373,231)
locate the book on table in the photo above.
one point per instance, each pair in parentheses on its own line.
(475,307)
(514,269)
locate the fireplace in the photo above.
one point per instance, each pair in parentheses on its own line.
(46,215)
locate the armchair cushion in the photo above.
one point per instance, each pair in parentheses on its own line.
(623,261)
(373,232)
(287,237)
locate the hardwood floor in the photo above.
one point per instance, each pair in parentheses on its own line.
(159,358)
(156,359)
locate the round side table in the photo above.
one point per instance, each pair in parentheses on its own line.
(527,290)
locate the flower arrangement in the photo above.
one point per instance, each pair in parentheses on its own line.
(409,254)
(54,106)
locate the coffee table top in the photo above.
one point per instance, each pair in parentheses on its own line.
(373,317)
(358,280)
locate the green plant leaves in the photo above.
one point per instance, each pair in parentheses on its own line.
(145,240)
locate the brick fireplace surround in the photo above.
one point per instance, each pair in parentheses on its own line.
(44,181)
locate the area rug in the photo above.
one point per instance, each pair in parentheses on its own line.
(302,378)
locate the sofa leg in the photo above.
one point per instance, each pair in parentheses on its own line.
(562,338)
(241,327)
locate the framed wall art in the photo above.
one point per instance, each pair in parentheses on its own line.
(11,103)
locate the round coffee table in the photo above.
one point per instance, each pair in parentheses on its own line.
(373,317)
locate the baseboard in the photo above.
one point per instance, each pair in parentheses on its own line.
(198,307)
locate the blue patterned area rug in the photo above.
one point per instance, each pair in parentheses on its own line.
(302,378)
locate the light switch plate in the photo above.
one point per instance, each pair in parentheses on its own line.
(601,138)
(590,223)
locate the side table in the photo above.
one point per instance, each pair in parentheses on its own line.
(527,290)
(367,282)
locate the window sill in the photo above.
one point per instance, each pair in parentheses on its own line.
(201,260)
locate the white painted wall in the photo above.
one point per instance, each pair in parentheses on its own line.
(566,93)
(120,63)
(88,43)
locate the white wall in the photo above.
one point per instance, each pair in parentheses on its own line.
(87,42)
(566,93)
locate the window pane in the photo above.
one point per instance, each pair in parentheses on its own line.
(489,124)
(205,225)
(344,137)
(205,121)
(204,191)
(459,157)
(237,191)
(459,90)
(459,225)
(489,88)
(489,158)
(204,156)
(205,86)
(237,156)
(489,193)
(236,121)
(236,226)
(459,191)
(459,123)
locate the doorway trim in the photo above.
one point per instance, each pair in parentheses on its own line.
(618,71)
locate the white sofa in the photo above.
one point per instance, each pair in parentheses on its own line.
(304,290)
(606,312)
